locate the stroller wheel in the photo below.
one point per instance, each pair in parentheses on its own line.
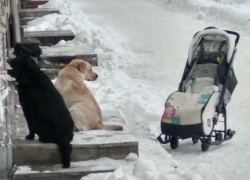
(205,145)
(174,143)
(195,140)
(219,137)
(230,133)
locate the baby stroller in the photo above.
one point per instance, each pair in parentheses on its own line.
(205,89)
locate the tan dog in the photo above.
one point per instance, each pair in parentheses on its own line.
(82,105)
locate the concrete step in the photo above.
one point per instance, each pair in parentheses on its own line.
(24,21)
(36,12)
(55,58)
(31,4)
(56,173)
(51,73)
(48,38)
(87,145)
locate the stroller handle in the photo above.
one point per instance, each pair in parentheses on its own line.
(236,34)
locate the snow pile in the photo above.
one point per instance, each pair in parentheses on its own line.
(147,170)
(234,13)
(24,170)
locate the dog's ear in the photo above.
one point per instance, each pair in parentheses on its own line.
(81,66)
(32,64)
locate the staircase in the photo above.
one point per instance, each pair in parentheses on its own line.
(43,159)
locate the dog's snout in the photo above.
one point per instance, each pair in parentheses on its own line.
(96,76)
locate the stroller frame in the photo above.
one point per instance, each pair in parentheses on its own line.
(216,137)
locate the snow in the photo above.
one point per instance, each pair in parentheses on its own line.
(142,49)
(24,169)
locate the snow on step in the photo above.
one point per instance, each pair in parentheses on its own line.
(91,144)
(56,173)
(48,38)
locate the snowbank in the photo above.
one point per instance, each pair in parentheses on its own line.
(147,170)
(234,13)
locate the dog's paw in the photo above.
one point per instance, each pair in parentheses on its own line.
(30,137)
(66,166)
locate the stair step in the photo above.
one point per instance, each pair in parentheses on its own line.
(56,173)
(24,21)
(36,12)
(56,55)
(87,145)
(51,73)
(54,58)
(48,38)
(59,56)
(31,4)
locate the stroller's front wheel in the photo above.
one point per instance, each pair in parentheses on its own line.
(204,147)
(205,144)
(174,143)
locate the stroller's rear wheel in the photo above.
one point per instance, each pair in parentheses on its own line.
(174,143)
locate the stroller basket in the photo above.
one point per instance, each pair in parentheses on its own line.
(205,89)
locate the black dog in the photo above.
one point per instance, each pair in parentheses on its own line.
(43,107)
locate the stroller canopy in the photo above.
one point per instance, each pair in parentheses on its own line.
(214,40)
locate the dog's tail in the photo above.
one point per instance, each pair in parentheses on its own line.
(65,149)
(110,127)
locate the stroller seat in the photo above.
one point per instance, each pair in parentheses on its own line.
(202,76)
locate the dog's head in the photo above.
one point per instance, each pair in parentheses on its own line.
(85,68)
(22,64)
